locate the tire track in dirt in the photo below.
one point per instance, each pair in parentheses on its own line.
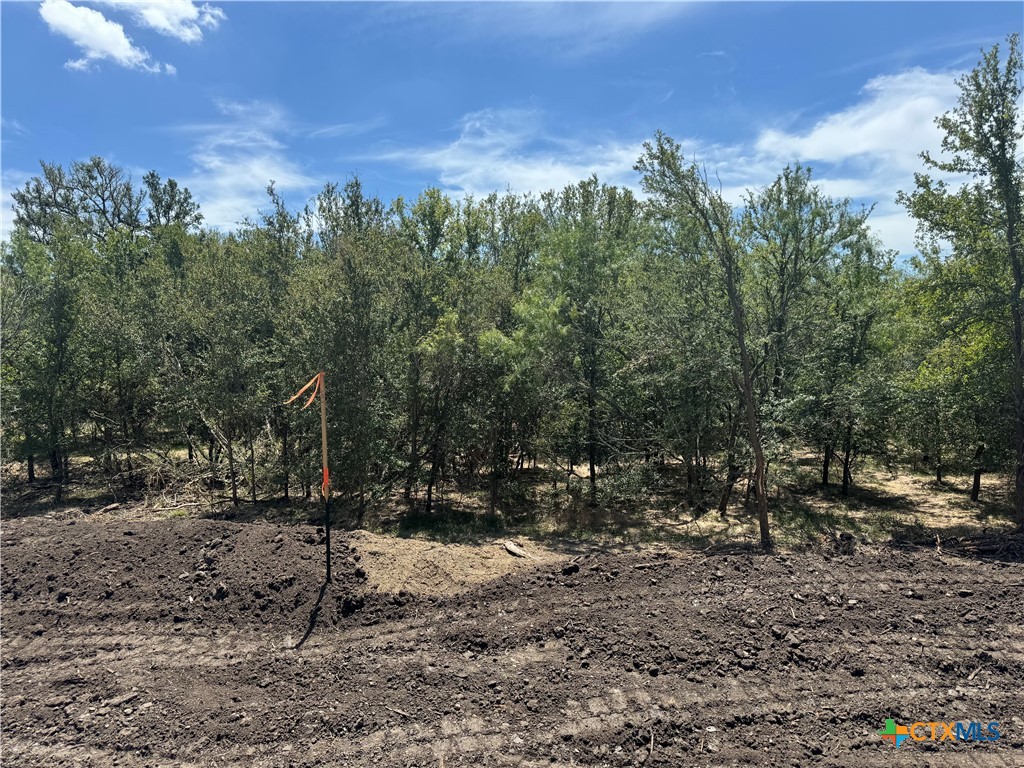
(614,659)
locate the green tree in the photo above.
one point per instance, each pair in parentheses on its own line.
(683,200)
(981,220)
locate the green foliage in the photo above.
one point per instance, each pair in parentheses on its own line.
(585,333)
(967,383)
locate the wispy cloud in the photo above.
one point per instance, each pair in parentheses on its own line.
(235,158)
(509,148)
(97,37)
(181,19)
(10,125)
(866,152)
(579,28)
(563,29)
(339,130)
(903,55)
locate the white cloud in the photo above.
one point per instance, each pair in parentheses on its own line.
(867,152)
(507,148)
(870,150)
(181,19)
(234,160)
(98,37)
(893,123)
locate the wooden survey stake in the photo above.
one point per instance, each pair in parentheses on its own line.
(319,385)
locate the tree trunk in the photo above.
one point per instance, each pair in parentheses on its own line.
(252,469)
(731,266)
(213,473)
(753,427)
(435,462)
(847,453)
(976,486)
(492,503)
(592,429)
(231,472)
(496,465)
(285,460)
(57,474)
(31,468)
(733,470)
(825,464)
(414,456)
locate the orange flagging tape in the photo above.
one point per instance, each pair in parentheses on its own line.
(326,483)
(312,397)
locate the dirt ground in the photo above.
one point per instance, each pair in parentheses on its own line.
(191,642)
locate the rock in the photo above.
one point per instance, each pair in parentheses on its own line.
(570,569)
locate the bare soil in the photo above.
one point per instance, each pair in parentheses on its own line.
(191,642)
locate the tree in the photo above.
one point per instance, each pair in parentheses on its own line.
(91,199)
(592,233)
(48,372)
(170,204)
(683,199)
(984,272)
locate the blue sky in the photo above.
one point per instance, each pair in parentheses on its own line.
(478,97)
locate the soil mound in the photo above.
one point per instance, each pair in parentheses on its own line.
(178,572)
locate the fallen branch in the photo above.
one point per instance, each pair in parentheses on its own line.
(516,551)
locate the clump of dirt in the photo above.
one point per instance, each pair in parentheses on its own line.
(610,658)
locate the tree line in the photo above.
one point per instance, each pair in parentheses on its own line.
(586,331)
